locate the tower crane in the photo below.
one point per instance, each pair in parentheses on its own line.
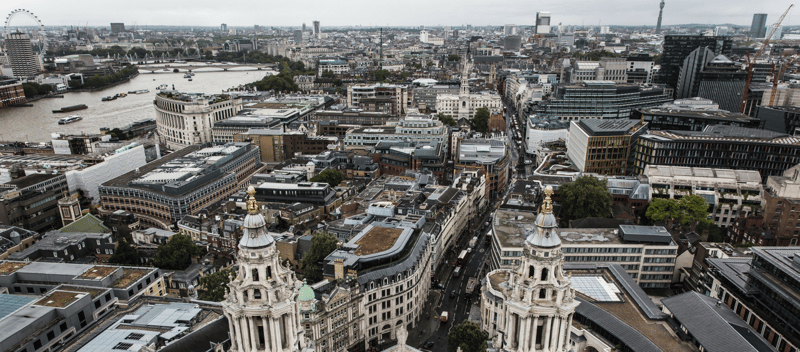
(751,63)
(777,77)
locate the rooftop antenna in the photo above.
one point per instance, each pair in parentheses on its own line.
(380,49)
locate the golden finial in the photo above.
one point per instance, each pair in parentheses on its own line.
(252,207)
(547,204)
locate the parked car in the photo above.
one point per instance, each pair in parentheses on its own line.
(452,293)
(428,345)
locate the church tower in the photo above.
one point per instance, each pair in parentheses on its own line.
(70,209)
(538,299)
(463,95)
(262,305)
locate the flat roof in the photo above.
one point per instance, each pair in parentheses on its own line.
(130,276)
(97,272)
(59,298)
(7,268)
(704,114)
(728,133)
(652,234)
(610,127)
(377,239)
(32,179)
(11,303)
(702,173)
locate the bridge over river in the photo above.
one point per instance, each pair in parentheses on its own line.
(204,67)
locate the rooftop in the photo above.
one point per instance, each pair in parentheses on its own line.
(7,268)
(59,299)
(714,325)
(726,133)
(378,239)
(612,127)
(31,180)
(129,276)
(10,303)
(97,272)
(704,174)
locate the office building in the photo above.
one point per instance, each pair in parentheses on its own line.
(182,183)
(31,201)
(223,27)
(21,58)
(538,314)
(184,119)
(393,295)
(600,100)
(510,29)
(317,29)
(758,29)
(488,156)
(224,131)
(722,81)
(781,206)
(411,128)
(728,193)
(781,119)
(640,68)
(336,66)
(607,69)
(678,47)
(727,147)
(465,104)
(425,96)
(693,66)
(512,43)
(542,23)
(647,253)
(603,146)
(278,146)
(762,291)
(11,93)
(351,117)
(692,114)
(298,36)
(395,157)
(396,96)
(317,194)
(117,27)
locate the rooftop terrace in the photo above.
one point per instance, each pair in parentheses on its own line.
(377,240)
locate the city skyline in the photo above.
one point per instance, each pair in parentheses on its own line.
(571,12)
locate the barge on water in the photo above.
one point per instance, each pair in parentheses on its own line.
(71,108)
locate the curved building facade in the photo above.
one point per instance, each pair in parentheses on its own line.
(184,119)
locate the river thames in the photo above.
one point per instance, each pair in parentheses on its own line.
(35,124)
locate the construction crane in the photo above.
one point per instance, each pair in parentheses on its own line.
(776,78)
(751,63)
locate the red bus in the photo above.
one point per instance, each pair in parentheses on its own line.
(462,258)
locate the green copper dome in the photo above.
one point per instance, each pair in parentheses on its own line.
(306,293)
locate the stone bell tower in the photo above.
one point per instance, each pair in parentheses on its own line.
(262,305)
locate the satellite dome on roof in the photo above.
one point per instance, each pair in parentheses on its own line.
(306,293)
(255,233)
(544,234)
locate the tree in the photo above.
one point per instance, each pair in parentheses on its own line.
(30,90)
(215,286)
(587,197)
(379,75)
(330,176)
(322,244)
(45,88)
(446,119)
(481,120)
(690,208)
(453,57)
(469,336)
(125,254)
(328,74)
(714,231)
(176,254)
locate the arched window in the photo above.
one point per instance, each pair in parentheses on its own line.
(255,274)
(531,272)
(257,294)
(269,272)
(542,294)
(544,274)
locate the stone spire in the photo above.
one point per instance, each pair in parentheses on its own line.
(544,235)
(255,233)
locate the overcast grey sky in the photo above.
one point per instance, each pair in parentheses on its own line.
(400,13)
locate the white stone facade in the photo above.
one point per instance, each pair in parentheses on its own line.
(186,119)
(533,305)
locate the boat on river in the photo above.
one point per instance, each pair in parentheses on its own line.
(68,120)
(109,98)
(71,108)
